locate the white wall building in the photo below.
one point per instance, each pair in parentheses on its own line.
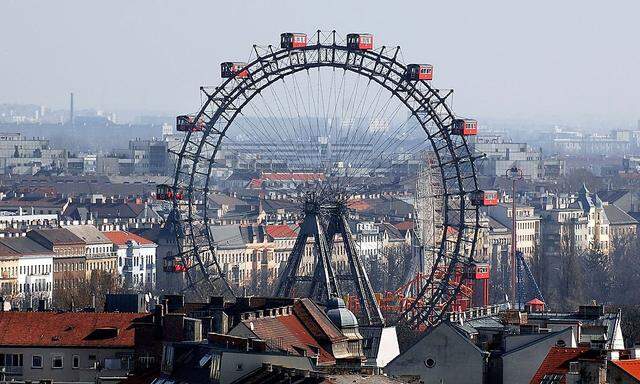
(367,239)
(35,278)
(136,259)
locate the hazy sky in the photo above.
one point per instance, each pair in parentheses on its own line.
(504,58)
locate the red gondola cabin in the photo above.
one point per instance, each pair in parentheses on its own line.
(478,271)
(165,192)
(173,265)
(360,41)
(465,127)
(293,40)
(188,123)
(229,69)
(419,72)
(484,198)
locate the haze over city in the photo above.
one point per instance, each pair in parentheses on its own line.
(367,192)
(570,62)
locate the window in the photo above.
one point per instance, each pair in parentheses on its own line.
(430,363)
(10,360)
(36,361)
(56,362)
(113,363)
(75,364)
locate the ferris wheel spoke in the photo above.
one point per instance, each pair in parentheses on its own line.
(333,124)
(381,148)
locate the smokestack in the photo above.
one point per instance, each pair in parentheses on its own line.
(71,111)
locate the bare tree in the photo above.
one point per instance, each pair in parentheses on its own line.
(88,292)
(597,276)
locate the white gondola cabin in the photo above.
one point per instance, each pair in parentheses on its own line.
(293,40)
(419,72)
(482,198)
(166,192)
(464,127)
(188,123)
(229,69)
(360,41)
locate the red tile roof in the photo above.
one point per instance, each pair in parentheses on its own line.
(286,332)
(557,363)
(68,329)
(359,205)
(405,225)
(632,367)
(281,231)
(121,237)
(316,321)
(255,184)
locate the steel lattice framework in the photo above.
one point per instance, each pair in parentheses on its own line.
(456,165)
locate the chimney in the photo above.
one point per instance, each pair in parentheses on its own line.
(158,314)
(573,376)
(634,353)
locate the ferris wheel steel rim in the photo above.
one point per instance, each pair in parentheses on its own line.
(454,160)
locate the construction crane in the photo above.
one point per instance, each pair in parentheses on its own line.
(527,287)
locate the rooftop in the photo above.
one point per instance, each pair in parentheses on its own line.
(121,238)
(281,231)
(68,329)
(632,367)
(57,236)
(617,216)
(90,234)
(556,365)
(22,246)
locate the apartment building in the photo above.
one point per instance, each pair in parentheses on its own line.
(527,225)
(99,252)
(69,261)
(136,259)
(76,347)
(29,275)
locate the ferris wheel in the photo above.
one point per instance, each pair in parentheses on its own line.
(337,118)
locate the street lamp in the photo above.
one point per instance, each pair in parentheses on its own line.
(514,174)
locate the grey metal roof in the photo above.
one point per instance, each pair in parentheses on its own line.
(25,246)
(90,234)
(339,315)
(58,236)
(613,195)
(494,224)
(219,199)
(392,231)
(227,236)
(617,216)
